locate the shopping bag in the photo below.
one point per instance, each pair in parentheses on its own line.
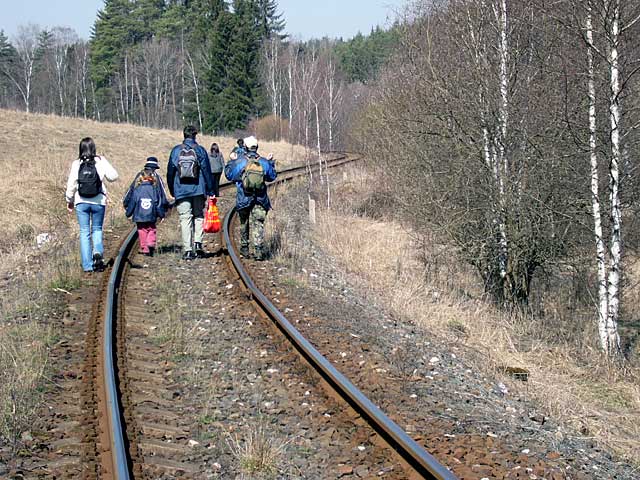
(212,217)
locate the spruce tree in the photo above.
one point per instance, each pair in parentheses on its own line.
(238,98)
(145,17)
(269,21)
(171,23)
(203,15)
(7,52)
(120,25)
(7,64)
(216,77)
(112,35)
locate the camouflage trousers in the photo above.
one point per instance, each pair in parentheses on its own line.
(252,223)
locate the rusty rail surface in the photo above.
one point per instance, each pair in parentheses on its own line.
(114,433)
(411,453)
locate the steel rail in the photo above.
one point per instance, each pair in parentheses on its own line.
(119,455)
(120,458)
(409,450)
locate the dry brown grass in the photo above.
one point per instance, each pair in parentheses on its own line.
(37,154)
(596,399)
(23,361)
(258,452)
(39,150)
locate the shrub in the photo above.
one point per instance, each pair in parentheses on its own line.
(270,128)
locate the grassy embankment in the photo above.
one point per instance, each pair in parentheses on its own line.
(424,282)
(37,154)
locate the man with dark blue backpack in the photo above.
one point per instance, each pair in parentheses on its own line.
(190,182)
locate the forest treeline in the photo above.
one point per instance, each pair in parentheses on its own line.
(508,127)
(217,64)
(515,134)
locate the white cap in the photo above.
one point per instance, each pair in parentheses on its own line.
(251,142)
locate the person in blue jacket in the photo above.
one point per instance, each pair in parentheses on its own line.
(190,187)
(238,150)
(146,202)
(252,205)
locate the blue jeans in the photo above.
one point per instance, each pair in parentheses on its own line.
(90,218)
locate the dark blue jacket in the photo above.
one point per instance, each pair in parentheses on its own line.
(182,190)
(146,203)
(238,150)
(165,203)
(233,171)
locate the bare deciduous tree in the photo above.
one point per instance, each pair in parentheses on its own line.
(26,45)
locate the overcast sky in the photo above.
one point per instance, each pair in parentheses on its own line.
(305,18)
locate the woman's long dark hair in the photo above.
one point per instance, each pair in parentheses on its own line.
(87,150)
(215,148)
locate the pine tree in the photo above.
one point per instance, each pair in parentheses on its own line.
(362,56)
(203,15)
(270,22)
(241,89)
(172,22)
(216,77)
(145,17)
(45,41)
(7,52)
(8,56)
(121,25)
(112,34)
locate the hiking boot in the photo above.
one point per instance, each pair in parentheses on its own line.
(98,262)
(199,250)
(188,255)
(244,251)
(152,250)
(259,255)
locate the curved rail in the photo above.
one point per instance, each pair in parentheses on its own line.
(121,464)
(412,453)
(409,450)
(119,455)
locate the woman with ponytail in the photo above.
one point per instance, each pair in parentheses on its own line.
(87,194)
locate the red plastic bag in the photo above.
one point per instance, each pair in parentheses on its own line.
(212,217)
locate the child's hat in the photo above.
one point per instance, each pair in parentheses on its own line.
(152,162)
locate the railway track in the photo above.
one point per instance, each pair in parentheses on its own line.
(189,403)
(129,389)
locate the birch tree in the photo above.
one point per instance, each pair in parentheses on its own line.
(292,72)
(603,301)
(333,97)
(614,23)
(196,86)
(63,41)
(480,163)
(26,45)
(603,26)
(81,61)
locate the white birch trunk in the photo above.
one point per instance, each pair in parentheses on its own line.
(318,139)
(615,247)
(96,107)
(502,162)
(183,85)
(60,64)
(84,81)
(290,75)
(194,76)
(595,193)
(125,104)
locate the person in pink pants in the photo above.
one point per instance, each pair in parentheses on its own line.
(146,202)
